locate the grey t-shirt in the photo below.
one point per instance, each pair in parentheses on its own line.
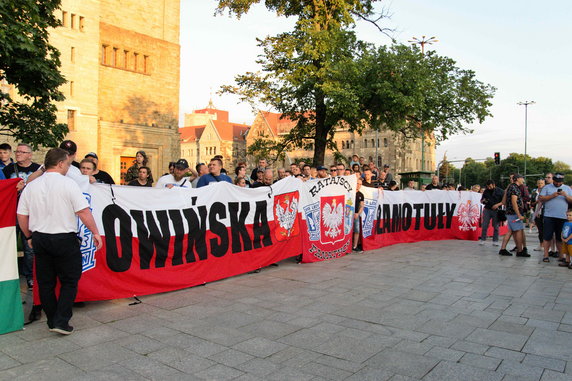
(558,206)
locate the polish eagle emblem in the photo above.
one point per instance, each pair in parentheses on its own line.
(332,218)
(468,216)
(286,215)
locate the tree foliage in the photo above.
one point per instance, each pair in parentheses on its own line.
(31,65)
(321,76)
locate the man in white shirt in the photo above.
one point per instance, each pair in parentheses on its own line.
(177,179)
(47,216)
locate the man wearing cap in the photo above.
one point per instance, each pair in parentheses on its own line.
(214,175)
(267,179)
(322,172)
(262,164)
(177,179)
(100,176)
(47,216)
(555,197)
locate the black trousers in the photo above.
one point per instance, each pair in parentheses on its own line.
(58,257)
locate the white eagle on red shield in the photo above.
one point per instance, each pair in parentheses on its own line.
(332,218)
(286,215)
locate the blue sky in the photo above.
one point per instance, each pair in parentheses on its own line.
(520,47)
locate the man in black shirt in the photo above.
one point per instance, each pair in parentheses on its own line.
(143,179)
(100,176)
(358,210)
(492,200)
(368,178)
(434,183)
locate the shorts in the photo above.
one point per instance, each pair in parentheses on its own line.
(356,225)
(514,223)
(567,248)
(553,227)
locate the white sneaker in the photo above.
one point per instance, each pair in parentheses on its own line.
(482,243)
(495,243)
(539,248)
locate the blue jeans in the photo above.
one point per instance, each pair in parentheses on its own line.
(489,215)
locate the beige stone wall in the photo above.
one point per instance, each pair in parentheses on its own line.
(78,41)
(155,18)
(139,75)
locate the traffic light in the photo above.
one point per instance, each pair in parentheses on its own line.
(497,158)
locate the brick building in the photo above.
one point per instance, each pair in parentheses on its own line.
(121,60)
(401,156)
(208,132)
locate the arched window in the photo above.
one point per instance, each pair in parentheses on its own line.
(343,144)
(372,143)
(365,143)
(385,143)
(379,161)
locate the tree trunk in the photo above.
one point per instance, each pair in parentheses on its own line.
(321,136)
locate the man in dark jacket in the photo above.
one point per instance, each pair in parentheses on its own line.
(492,200)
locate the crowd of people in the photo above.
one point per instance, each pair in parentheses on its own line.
(546,207)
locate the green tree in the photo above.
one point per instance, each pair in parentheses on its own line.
(31,65)
(321,76)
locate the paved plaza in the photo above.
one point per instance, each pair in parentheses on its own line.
(443,310)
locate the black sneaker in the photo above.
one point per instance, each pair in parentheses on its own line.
(357,250)
(553,254)
(523,254)
(63,331)
(505,252)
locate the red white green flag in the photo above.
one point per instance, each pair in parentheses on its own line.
(11,313)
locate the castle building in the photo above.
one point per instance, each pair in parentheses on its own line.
(208,132)
(121,60)
(402,156)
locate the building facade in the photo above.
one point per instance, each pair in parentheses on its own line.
(208,132)
(402,156)
(121,61)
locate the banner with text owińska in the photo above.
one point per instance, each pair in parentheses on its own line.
(158,240)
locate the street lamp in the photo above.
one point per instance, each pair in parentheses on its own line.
(525,104)
(422,42)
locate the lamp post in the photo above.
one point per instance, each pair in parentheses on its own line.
(422,42)
(525,104)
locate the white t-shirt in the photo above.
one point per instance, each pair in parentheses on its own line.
(51,202)
(169,179)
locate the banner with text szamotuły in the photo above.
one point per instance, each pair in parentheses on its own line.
(412,216)
(158,240)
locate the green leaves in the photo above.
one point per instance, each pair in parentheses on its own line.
(321,76)
(31,65)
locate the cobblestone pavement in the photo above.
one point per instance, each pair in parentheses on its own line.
(444,310)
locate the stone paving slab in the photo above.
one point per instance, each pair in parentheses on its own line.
(440,310)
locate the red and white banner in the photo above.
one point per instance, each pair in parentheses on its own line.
(328,217)
(411,216)
(158,240)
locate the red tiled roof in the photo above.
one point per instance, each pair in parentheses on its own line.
(220,114)
(191,133)
(230,131)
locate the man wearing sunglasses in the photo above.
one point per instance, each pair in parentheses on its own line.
(555,197)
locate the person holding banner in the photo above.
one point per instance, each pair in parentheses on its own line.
(214,174)
(178,178)
(492,200)
(359,203)
(47,216)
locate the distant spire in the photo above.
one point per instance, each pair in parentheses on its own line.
(211,104)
